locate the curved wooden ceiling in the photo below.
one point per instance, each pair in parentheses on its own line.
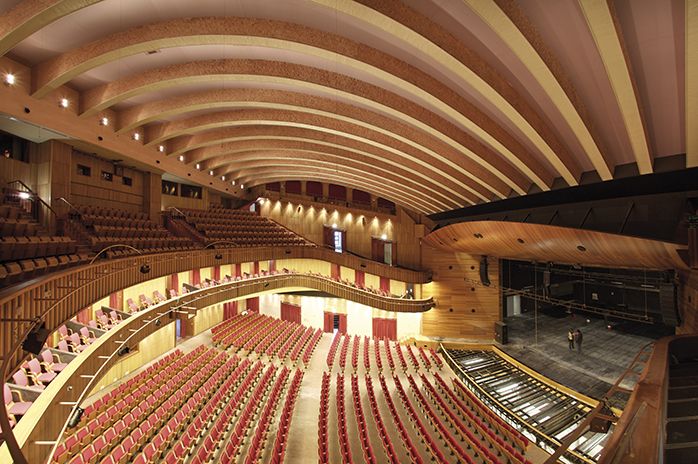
(433,104)
(543,243)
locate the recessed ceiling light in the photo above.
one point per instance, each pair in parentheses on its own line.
(104,121)
(233,182)
(161,148)
(10,79)
(222,177)
(210,173)
(198,166)
(63,103)
(181,158)
(136,136)
(242,186)
(384,237)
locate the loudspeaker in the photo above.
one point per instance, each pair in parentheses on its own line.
(35,339)
(484,278)
(667,304)
(501,332)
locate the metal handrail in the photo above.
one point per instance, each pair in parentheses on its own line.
(70,205)
(509,416)
(34,195)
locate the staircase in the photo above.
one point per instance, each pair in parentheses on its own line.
(682,412)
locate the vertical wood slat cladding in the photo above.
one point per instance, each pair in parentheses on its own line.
(451,291)
(65,293)
(360,226)
(688,303)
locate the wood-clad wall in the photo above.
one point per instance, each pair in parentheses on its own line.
(463,309)
(95,191)
(308,220)
(168,201)
(688,303)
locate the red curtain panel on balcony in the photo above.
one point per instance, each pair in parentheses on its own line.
(116,300)
(195,277)
(238,270)
(360,279)
(216,273)
(337,192)
(328,321)
(272,265)
(334,270)
(256,268)
(174,283)
(385,284)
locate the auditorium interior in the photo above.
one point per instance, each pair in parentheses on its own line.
(349,231)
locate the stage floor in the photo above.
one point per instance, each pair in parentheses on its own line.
(604,357)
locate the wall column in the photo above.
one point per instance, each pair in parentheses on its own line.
(152,195)
(51,173)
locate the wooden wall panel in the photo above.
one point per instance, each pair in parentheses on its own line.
(12,169)
(168,201)
(94,191)
(308,220)
(207,317)
(463,309)
(688,303)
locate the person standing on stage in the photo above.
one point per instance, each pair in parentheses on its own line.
(578,340)
(570,339)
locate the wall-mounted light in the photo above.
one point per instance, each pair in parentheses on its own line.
(233,182)
(24,195)
(210,173)
(334,225)
(104,121)
(10,79)
(384,237)
(63,103)
(242,186)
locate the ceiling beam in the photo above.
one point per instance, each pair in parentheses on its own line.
(606,31)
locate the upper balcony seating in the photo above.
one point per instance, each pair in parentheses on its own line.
(27,250)
(243,228)
(109,226)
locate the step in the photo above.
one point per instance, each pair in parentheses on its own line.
(682,408)
(682,431)
(681,454)
(680,393)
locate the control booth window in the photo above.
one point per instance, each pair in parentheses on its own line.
(108,176)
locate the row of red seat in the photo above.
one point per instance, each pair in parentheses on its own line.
(446,435)
(344,447)
(355,353)
(388,446)
(369,456)
(126,425)
(486,434)
(333,350)
(389,355)
(310,345)
(323,434)
(412,357)
(265,419)
(367,356)
(279,448)
(343,352)
(424,358)
(410,447)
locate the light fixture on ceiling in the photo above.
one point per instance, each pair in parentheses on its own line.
(210,173)
(10,79)
(63,103)
(223,178)
(198,166)
(136,136)
(242,186)
(181,158)
(161,148)
(104,121)
(233,182)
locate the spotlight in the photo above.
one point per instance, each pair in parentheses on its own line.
(124,350)
(242,186)
(145,269)
(181,158)
(104,121)
(334,225)
(161,148)
(210,173)
(63,103)
(75,418)
(10,79)
(384,237)
(233,182)
(218,256)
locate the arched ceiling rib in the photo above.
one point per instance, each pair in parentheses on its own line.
(454,102)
